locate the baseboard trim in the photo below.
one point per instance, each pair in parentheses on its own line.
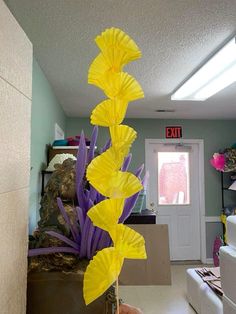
(209,261)
(212,219)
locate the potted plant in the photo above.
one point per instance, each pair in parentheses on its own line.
(105,192)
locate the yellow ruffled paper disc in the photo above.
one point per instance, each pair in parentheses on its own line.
(101,273)
(122,137)
(109,112)
(122,47)
(106,214)
(128,242)
(116,185)
(103,173)
(119,85)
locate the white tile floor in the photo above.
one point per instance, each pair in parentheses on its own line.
(161,299)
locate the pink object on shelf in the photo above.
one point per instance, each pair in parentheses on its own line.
(72,141)
(218,161)
(87,140)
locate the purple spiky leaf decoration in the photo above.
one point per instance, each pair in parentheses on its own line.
(80,171)
(126,162)
(81,160)
(74,245)
(64,239)
(86,239)
(131,201)
(73,229)
(96,239)
(93,144)
(106,146)
(93,193)
(139,171)
(89,240)
(81,218)
(145,180)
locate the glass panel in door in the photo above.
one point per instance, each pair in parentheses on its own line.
(173,178)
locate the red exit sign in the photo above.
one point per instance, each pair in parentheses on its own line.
(173,131)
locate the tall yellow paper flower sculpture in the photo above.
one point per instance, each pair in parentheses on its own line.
(104,172)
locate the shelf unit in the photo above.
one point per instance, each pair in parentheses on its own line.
(223,185)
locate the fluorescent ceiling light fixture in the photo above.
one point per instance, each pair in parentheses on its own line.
(216,74)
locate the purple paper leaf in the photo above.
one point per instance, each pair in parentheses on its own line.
(86,193)
(84,237)
(139,171)
(89,240)
(73,230)
(81,218)
(81,160)
(103,240)
(131,201)
(96,239)
(145,180)
(100,198)
(93,143)
(93,193)
(75,211)
(126,162)
(129,205)
(106,146)
(90,204)
(82,198)
(51,250)
(64,239)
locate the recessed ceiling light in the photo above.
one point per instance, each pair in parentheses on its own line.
(218,73)
(165,110)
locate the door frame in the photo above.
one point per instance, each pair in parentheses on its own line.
(201,181)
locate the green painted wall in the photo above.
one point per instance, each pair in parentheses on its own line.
(46,111)
(216,134)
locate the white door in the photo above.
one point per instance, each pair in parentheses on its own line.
(173,191)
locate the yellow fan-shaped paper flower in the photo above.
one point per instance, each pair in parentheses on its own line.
(101,171)
(106,214)
(101,272)
(121,47)
(128,242)
(109,112)
(119,85)
(123,185)
(122,137)
(118,58)
(104,177)
(104,164)
(98,68)
(110,61)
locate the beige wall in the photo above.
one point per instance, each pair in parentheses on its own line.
(15,111)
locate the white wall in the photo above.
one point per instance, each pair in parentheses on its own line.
(15,111)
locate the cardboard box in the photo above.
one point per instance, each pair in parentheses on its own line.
(156,269)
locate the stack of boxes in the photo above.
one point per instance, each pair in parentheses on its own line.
(228,268)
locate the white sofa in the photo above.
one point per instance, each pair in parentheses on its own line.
(200,295)
(228,268)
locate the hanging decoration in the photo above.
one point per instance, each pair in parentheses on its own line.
(225,160)
(105,173)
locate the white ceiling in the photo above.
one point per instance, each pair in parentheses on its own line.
(175,36)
